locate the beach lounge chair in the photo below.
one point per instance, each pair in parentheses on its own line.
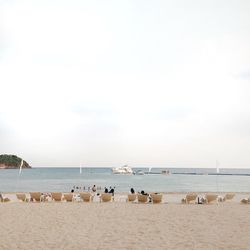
(4,199)
(209,198)
(86,197)
(245,201)
(156,198)
(131,197)
(56,196)
(189,198)
(69,197)
(22,197)
(106,197)
(36,196)
(228,196)
(142,198)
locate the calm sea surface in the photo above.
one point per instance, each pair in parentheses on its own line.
(64,179)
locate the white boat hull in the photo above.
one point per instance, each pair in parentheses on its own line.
(122,170)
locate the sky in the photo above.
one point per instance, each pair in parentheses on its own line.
(107,83)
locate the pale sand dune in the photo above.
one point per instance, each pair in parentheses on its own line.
(124,226)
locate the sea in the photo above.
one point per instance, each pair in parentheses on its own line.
(47,179)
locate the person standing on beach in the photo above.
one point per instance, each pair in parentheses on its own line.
(94,189)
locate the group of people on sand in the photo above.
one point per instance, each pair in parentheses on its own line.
(79,188)
(94,189)
(132,191)
(111,190)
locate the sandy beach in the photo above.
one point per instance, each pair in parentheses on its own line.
(121,225)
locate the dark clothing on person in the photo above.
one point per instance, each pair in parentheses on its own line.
(112,191)
(143,193)
(94,188)
(106,190)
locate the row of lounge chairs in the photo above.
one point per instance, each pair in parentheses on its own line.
(86,197)
(209,198)
(192,197)
(106,197)
(58,196)
(142,198)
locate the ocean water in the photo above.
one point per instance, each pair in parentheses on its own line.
(180,180)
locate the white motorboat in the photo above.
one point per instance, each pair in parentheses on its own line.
(122,170)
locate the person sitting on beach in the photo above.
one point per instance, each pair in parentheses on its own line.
(72,191)
(132,191)
(143,193)
(94,189)
(106,190)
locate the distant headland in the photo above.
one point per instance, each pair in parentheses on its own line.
(12,162)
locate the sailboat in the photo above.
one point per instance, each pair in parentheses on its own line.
(217,167)
(80,168)
(217,171)
(21,166)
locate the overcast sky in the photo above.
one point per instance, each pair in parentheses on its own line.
(106,83)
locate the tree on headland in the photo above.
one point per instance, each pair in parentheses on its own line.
(12,161)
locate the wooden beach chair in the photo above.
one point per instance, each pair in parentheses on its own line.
(4,199)
(56,196)
(86,197)
(209,198)
(228,196)
(142,198)
(36,196)
(156,198)
(245,201)
(131,197)
(22,197)
(106,197)
(69,197)
(189,198)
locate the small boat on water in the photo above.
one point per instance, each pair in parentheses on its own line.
(122,170)
(165,172)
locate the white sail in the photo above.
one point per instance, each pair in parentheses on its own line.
(21,166)
(80,168)
(217,167)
